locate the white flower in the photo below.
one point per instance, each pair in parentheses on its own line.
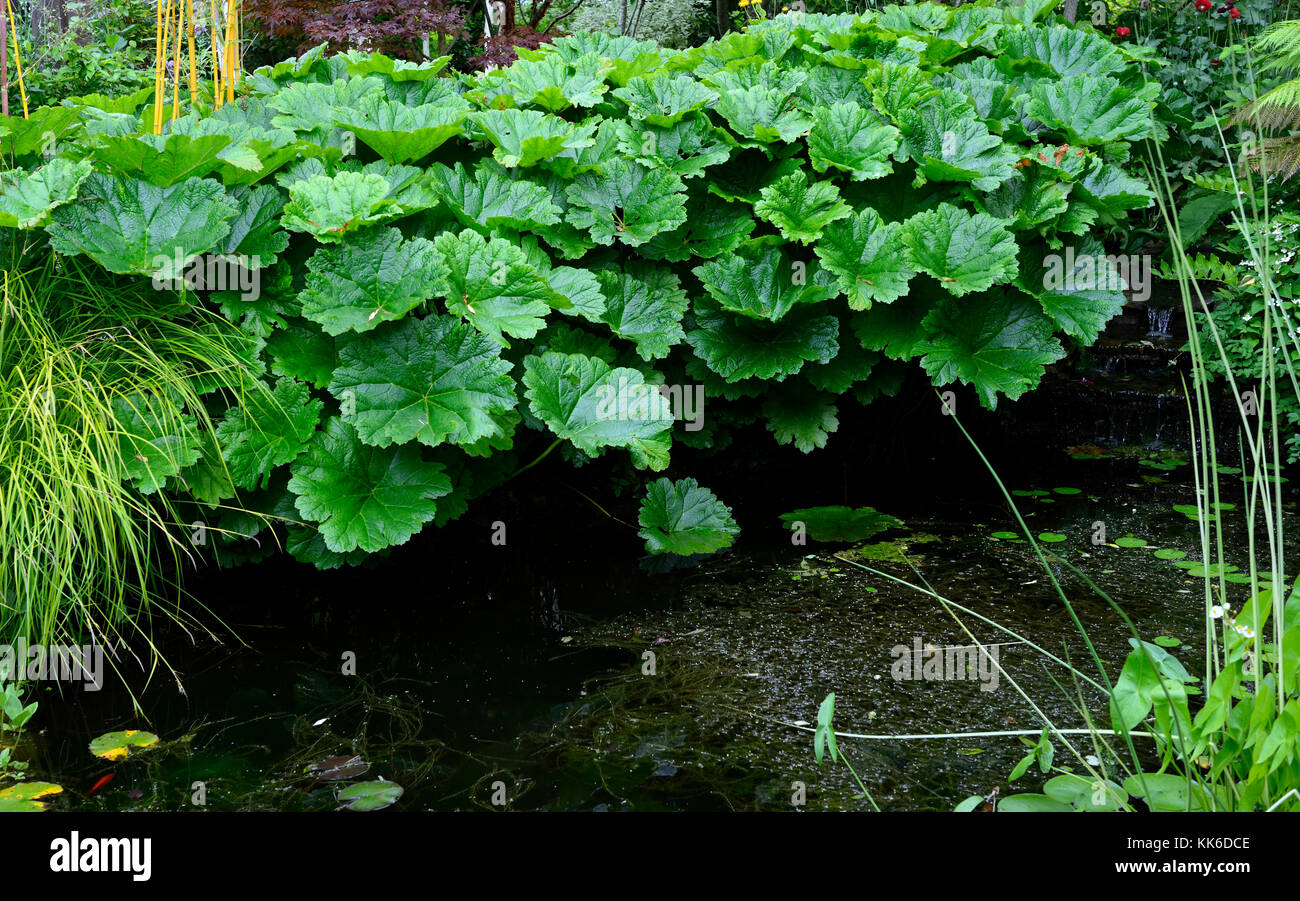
(1216,612)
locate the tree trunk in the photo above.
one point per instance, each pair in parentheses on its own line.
(723,12)
(622,16)
(1071,11)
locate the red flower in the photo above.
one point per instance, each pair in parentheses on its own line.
(1234,13)
(1216,62)
(1123,31)
(1204,6)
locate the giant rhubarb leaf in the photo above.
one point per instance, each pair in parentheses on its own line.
(741,347)
(585,401)
(330,207)
(1078,286)
(999,345)
(627,201)
(401,133)
(965,253)
(846,136)
(664,100)
(128,225)
(269,427)
(644,303)
(1090,110)
(154,439)
(799,209)
(492,284)
(364,497)
(950,144)
(526,137)
(763,114)
(27,198)
(489,198)
(432,380)
(372,278)
(761,281)
(869,257)
(683,518)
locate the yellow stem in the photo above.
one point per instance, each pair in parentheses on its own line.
(216,65)
(176,62)
(158,72)
(194,72)
(18,63)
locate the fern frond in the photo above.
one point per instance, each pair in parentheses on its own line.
(1276,156)
(1279,46)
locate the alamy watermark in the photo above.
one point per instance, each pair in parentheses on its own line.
(1072,271)
(956,663)
(207,272)
(651,403)
(25,662)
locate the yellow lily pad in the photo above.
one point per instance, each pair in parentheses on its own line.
(119,745)
(25,796)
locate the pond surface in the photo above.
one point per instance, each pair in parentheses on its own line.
(516,676)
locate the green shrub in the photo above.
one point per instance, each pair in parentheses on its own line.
(454,271)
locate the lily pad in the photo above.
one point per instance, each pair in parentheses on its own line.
(374,795)
(1068,490)
(119,745)
(1169,553)
(25,797)
(1006,536)
(1131,541)
(1051,537)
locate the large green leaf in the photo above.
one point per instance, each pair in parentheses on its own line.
(400,133)
(269,427)
(154,439)
(627,202)
(374,277)
(761,281)
(490,198)
(800,209)
(664,99)
(526,137)
(491,283)
(999,345)
(1093,110)
(763,114)
(364,497)
(846,136)
(685,148)
(869,258)
(682,518)
(950,143)
(128,225)
(712,227)
(556,84)
(964,252)
(164,160)
(741,347)
(330,207)
(27,198)
(800,417)
(1070,51)
(583,400)
(644,303)
(1078,286)
(431,380)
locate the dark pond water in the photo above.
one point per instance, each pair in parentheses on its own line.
(515,676)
